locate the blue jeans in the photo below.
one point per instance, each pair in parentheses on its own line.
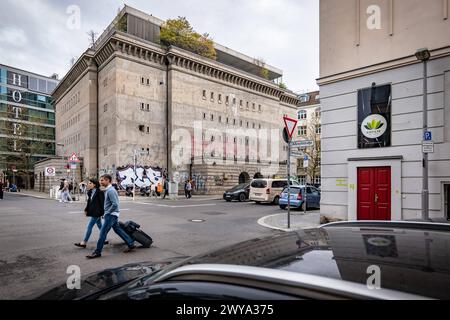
(92,222)
(112,222)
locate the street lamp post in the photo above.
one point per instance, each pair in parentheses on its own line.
(424,55)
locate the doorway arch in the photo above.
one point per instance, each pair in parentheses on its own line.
(258,175)
(244,177)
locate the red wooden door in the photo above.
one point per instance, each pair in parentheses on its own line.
(374,193)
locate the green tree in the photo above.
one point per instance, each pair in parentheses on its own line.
(264,72)
(179,33)
(283,86)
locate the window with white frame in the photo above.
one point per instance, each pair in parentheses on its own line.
(302,115)
(302,180)
(318,112)
(303,131)
(318,180)
(318,129)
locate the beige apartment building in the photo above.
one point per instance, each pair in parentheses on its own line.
(309,127)
(372,97)
(129,93)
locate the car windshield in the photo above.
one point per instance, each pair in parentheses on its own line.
(239,187)
(259,184)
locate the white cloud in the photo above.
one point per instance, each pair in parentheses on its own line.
(13,36)
(285,33)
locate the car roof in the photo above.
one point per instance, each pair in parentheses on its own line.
(413,257)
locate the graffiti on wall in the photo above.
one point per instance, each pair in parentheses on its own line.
(143,177)
(200,182)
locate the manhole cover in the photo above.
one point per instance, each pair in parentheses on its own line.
(197,220)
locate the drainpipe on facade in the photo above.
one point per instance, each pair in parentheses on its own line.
(168,118)
(98,125)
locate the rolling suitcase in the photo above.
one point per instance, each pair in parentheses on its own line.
(132,229)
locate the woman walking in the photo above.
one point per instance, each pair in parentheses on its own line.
(94,209)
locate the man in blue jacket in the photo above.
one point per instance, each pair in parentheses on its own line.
(111,217)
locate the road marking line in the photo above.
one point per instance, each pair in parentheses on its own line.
(75,212)
(174,207)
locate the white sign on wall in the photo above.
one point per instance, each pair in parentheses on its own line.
(50,172)
(428,147)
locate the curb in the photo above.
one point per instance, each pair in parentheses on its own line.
(262,223)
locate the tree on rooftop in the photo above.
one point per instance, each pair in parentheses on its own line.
(179,33)
(283,86)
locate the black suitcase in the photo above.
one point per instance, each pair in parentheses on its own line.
(132,229)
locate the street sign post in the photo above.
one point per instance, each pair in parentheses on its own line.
(290,126)
(303,144)
(74,158)
(289,129)
(50,171)
(428,147)
(305,161)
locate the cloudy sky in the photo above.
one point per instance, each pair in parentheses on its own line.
(34,34)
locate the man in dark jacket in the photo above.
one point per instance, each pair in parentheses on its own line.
(94,209)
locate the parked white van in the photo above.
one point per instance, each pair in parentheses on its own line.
(267,190)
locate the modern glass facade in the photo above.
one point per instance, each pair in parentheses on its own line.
(27,123)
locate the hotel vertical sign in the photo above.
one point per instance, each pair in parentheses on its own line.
(374,117)
(16,96)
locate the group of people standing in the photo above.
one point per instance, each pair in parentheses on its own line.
(103,210)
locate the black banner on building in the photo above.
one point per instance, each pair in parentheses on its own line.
(374,117)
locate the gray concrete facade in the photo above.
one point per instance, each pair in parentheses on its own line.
(132,94)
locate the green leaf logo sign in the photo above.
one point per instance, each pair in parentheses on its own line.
(374,126)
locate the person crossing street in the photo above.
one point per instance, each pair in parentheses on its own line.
(111,219)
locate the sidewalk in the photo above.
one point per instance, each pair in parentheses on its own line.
(45,195)
(298,221)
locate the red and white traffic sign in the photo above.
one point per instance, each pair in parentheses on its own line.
(73,158)
(290,125)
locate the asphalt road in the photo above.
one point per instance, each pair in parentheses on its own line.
(37,236)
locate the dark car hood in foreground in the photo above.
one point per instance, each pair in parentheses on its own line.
(104,279)
(412,258)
